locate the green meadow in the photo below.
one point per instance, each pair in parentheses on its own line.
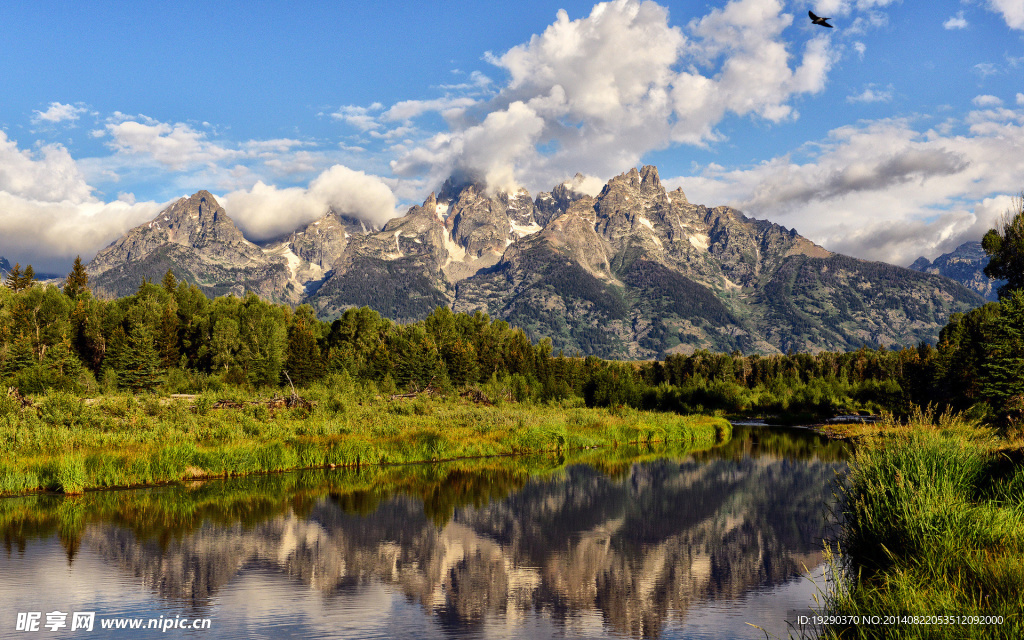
(69,444)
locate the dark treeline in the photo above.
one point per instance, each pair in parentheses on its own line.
(173,337)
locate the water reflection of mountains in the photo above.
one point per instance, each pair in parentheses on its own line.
(640,546)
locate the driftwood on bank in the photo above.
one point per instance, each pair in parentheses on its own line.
(14,394)
(477,396)
(472,394)
(293,401)
(429,390)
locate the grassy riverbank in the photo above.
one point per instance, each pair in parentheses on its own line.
(254,499)
(934,526)
(67,444)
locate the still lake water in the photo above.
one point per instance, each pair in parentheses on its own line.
(686,546)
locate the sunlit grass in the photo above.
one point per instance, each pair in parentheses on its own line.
(933,526)
(67,444)
(250,500)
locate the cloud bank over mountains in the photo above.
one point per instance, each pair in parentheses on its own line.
(594,95)
(890,189)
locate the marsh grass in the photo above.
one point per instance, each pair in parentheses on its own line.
(124,440)
(173,512)
(933,524)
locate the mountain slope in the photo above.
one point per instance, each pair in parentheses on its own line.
(638,272)
(196,239)
(635,272)
(966,265)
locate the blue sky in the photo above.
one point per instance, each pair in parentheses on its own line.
(898,133)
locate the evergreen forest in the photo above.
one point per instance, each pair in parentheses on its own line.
(172,338)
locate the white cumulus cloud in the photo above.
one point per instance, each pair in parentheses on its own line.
(48,212)
(987,101)
(265,211)
(956,22)
(48,174)
(872,94)
(885,189)
(57,113)
(175,146)
(1011,10)
(594,94)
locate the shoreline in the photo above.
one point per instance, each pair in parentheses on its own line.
(118,442)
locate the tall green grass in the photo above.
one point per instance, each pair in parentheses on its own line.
(253,499)
(124,440)
(932,525)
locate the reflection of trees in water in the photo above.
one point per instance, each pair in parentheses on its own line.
(640,549)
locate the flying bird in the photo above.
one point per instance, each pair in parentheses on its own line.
(819,21)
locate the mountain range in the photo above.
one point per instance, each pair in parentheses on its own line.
(965,264)
(635,272)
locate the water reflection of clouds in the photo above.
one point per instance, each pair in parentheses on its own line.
(659,551)
(42,579)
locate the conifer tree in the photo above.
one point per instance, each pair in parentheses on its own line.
(1003,367)
(14,278)
(28,278)
(1005,246)
(77,281)
(62,360)
(170,283)
(19,355)
(140,362)
(87,331)
(167,338)
(460,360)
(303,362)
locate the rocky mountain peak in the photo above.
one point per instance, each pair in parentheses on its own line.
(550,204)
(485,225)
(650,183)
(320,242)
(966,265)
(631,195)
(634,272)
(196,220)
(431,205)
(196,239)
(629,181)
(456,184)
(921,264)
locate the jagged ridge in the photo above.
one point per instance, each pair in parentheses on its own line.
(635,272)
(966,265)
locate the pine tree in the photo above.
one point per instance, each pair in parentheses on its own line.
(138,366)
(460,359)
(170,283)
(303,362)
(77,281)
(87,331)
(1002,379)
(28,278)
(62,360)
(167,338)
(1005,246)
(18,356)
(14,278)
